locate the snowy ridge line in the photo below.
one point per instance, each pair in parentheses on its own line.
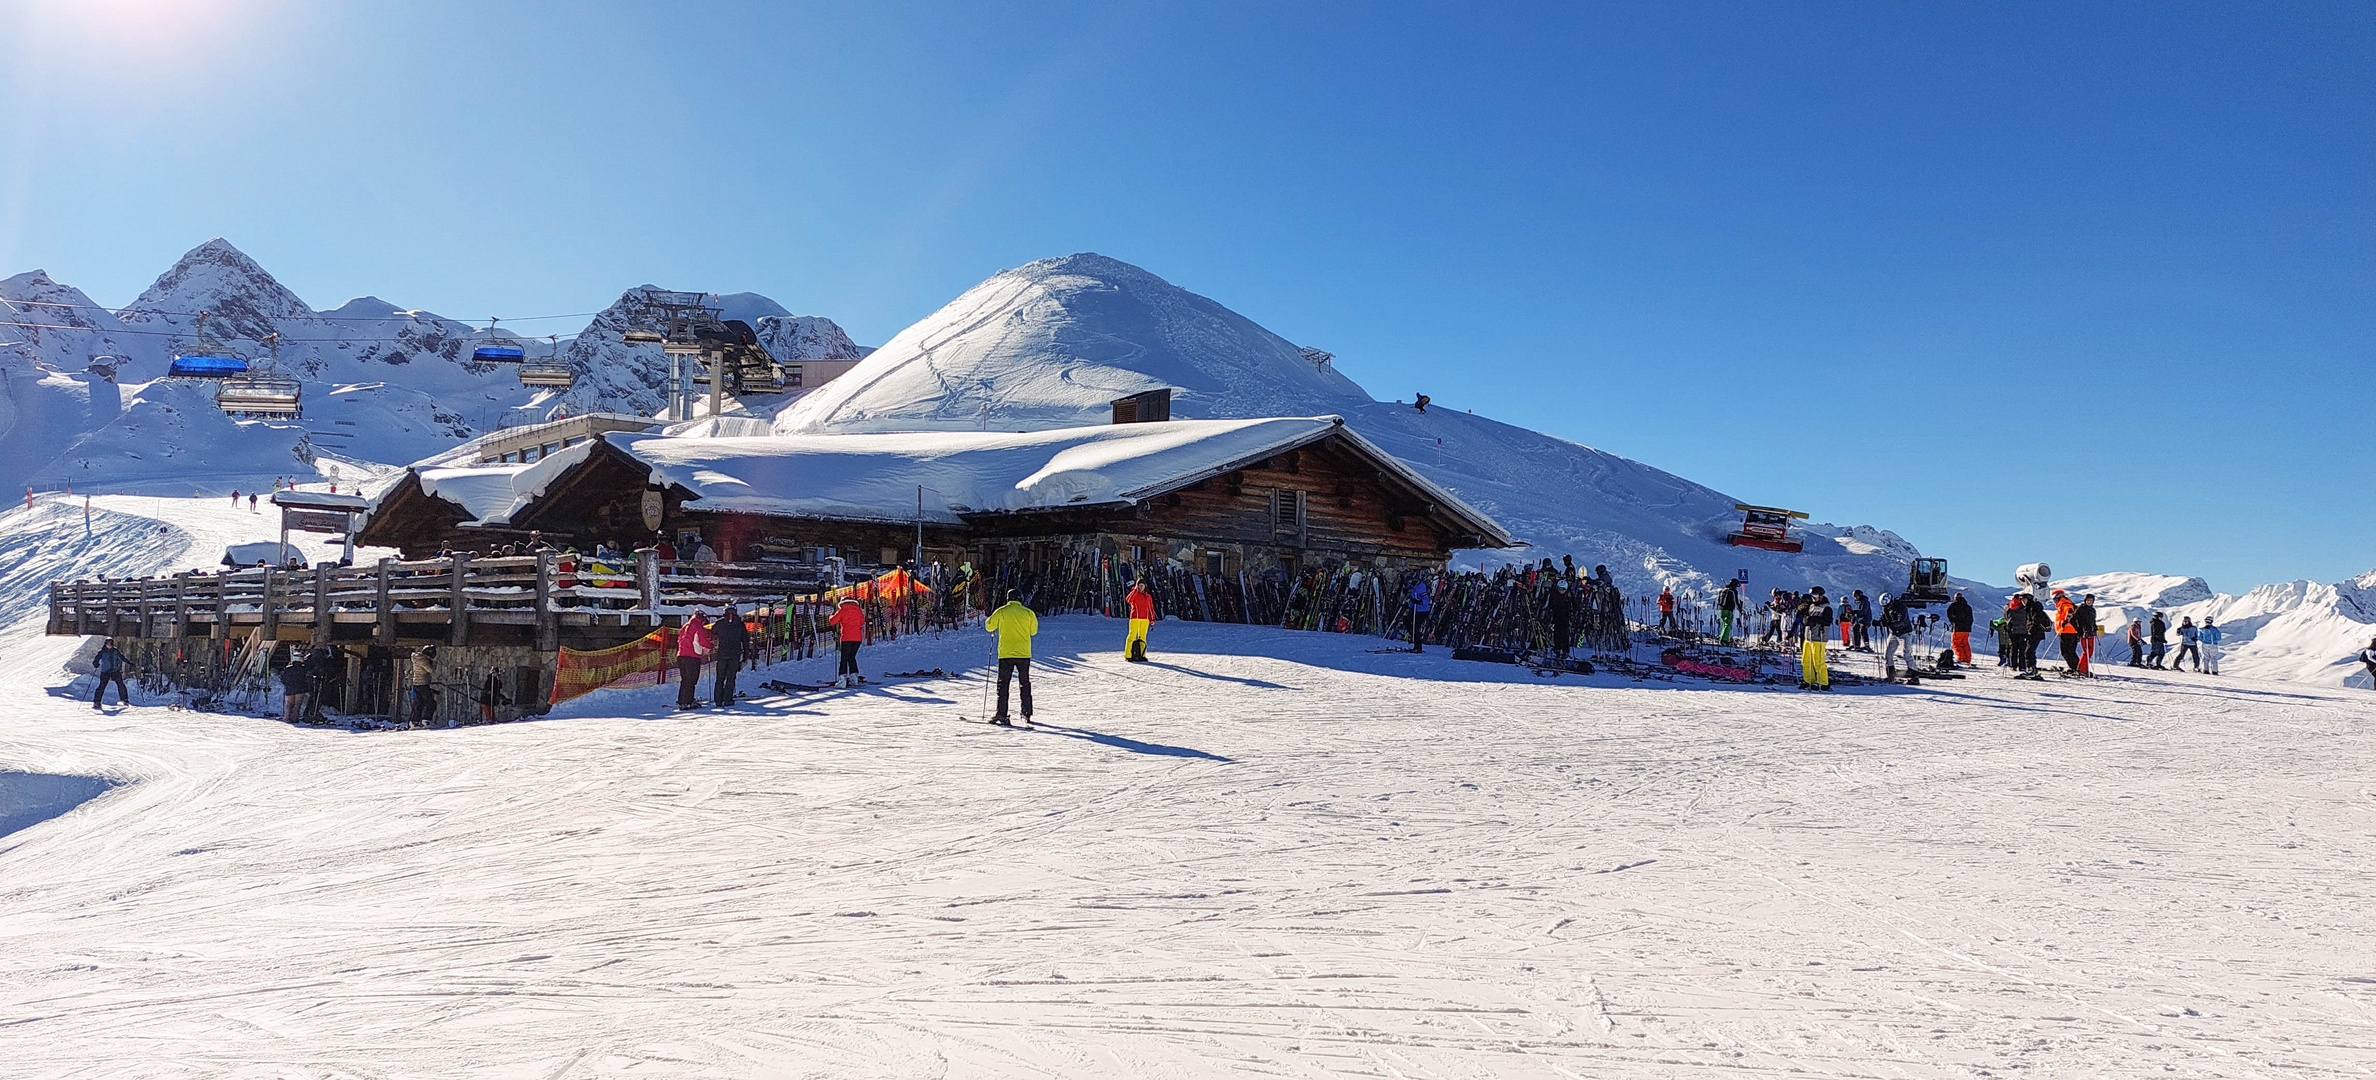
(324,318)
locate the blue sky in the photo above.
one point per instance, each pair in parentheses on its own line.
(2090,286)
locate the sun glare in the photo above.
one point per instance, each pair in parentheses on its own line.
(138,29)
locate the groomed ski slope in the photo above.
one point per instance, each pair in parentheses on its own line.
(1267,854)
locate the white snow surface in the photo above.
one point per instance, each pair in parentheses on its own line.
(1267,853)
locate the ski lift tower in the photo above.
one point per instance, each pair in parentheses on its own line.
(683,324)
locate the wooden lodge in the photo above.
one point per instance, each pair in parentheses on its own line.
(1220,496)
(497,571)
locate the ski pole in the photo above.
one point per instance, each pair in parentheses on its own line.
(990,673)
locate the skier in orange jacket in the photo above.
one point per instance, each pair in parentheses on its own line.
(2063,627)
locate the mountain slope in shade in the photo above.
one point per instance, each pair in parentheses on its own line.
(1052,343)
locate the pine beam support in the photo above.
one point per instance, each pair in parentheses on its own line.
(548,624)
(321,605)
(459,604)
(383,628)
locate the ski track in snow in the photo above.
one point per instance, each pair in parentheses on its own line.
(1265,854)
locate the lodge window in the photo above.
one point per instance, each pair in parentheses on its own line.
(1287,514)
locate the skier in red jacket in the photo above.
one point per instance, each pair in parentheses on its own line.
(1142,612)
(850,619)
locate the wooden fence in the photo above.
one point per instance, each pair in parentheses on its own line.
(445,597)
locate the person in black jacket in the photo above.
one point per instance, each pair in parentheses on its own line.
(297,686)
(1815,614)
(2026,624)
(2159,634)
(1864,622)
(325,671)
(1959,627)
(109,665)
(1899,625)
(732,637)
(2083,619)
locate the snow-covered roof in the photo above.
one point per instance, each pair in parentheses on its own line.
(876,476)
(492,493)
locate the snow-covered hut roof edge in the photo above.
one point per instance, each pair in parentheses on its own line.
(874,476)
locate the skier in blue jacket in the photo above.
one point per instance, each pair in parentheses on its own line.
(2207,636)
(110,666)
(1419,610)
(2190,639)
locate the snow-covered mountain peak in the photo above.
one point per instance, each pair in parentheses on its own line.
(805,337)
(368,307)
(241,299)
(1051,343)
(2126,589)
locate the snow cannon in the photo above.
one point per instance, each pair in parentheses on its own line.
(2033,577)
(1766,527)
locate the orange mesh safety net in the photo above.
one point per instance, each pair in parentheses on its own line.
(646,661)
(889,585)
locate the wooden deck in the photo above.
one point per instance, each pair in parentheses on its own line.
(437,598)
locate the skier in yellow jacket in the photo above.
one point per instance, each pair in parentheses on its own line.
(1014,624)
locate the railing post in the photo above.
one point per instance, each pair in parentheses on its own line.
(114,621)
(56,617)
(548,622)
(383,628)
(647,575)
(110,597)
(222,606)
(181,606)
(270,606)
(458,630)
(321,604)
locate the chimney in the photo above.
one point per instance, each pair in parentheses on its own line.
(1143,408)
